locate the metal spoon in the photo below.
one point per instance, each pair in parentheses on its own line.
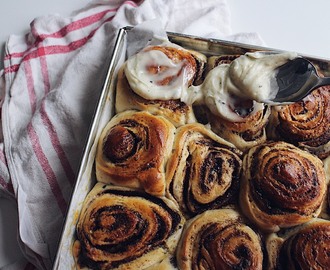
(296,79)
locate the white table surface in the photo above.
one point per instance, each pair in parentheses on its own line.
(295,25)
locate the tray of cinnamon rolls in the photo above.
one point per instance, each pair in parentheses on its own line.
(181,173)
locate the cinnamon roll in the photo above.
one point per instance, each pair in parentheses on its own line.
(305,247)
(132,151)
(121,228)
(250,129)
(305,123)
(325,212)
(156,79)
(203,171)
(328,202)
(244,134)
(219,239)
(326,164)
(282,186)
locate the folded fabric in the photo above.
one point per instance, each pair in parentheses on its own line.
(51,82)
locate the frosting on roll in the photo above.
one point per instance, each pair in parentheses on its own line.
(252,75)
(203,171)
(282,186)
(161,72)
(132,151)
(239,88)
(247,126)
(120,228)
(305,123)
(221,102)
(174,110)
(219,239)
(158,79)
(232,90)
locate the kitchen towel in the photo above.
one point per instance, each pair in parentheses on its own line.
(49,88)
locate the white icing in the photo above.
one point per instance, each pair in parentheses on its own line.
(147,70)
(250,77)
(254,74)
(218,95)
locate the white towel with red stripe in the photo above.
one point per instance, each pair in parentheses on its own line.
(49,86)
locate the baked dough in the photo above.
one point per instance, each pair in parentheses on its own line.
(121,228)
(176,111)
(305,124)
(203,171)
(219,239)
(245,134)
(132,151)
(160,162)
(305,247)
(282,186)
(248,132)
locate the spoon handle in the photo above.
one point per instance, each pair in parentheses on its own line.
(323,81)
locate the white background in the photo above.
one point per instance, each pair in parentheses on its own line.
(294,25)
(302,26)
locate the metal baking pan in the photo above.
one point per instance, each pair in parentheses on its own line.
(105,110)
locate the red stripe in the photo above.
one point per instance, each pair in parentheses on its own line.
(35,53)
(15,55)
(59,34)
(53,49)
(3,158)
(83,22)
(44,163)
(13,68)
(73,26)
(30,85)
(7,186)
(58,49)
(44,72)
(57,145)
(49,126)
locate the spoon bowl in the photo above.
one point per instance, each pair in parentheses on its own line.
(296,79)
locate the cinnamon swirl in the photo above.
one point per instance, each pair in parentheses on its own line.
(203,171)
(154,80)
(244,134)
(132,151)
(305,247)
(305,123)
(120,228)
(282,186)
(217,60)
(219,239)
